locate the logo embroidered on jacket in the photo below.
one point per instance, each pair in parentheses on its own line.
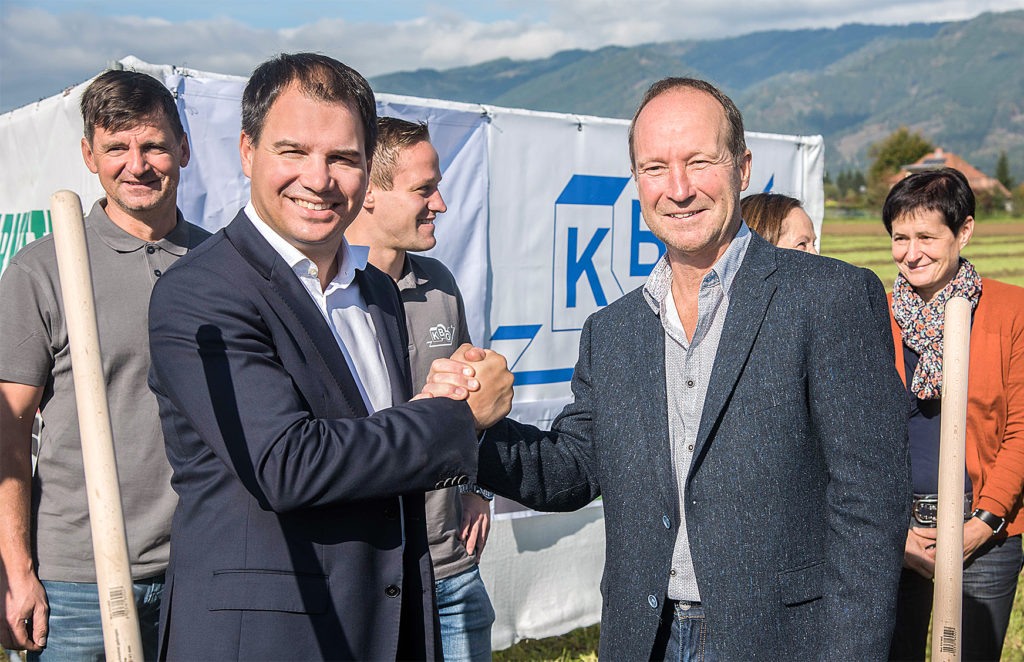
(441,336)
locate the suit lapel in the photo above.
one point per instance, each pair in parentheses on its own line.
(653,419)
(292,302)
(748,304)
(377,293)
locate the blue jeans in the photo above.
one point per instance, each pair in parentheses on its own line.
(76,628)
(989,586)
(683,635)
(466,616)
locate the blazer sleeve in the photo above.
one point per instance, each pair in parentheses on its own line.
(547,471)
(223,386)
(859,411)
(1004,482)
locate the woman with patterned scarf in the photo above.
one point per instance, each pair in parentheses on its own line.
(930,217)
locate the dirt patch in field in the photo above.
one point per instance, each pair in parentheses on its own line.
(875,228)
(854,229)
(983,229)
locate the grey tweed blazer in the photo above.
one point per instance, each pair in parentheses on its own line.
(798,495)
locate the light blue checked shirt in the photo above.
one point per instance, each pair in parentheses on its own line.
(687,373)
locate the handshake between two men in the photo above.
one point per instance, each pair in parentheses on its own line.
(479,376)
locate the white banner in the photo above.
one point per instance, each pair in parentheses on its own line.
(567,236)
(542,229)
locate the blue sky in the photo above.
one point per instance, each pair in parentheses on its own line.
(283,14)
(48,45)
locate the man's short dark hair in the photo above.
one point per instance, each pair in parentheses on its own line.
(393,135)
(318,77)
(944,190)
(736,140)
(119,100)
(764,213)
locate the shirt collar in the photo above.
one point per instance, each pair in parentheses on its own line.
(659,283)
(412,275)
(350,258)
(114,236)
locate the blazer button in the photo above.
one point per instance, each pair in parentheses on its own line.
(462,480)
(390,512)
(392,591)
(666,521)
(438,485)
(653,601)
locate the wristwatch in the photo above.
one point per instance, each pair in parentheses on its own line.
(473,488)
(995,522)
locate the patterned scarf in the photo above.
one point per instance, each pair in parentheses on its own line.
(921,324)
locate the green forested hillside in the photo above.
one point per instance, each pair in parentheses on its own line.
(961,84)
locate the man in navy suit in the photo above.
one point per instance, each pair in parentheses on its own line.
(280,364)
(739,415)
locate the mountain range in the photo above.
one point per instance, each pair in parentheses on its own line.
(960,84)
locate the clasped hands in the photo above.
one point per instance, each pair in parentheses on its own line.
(479,376)
(919,554)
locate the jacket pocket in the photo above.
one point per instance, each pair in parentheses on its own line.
(802,584)
(268,590)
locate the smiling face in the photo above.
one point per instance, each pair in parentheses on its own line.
(403,216)
(926,251)
(688,183)
(797,232)
(308,171)
(138,167)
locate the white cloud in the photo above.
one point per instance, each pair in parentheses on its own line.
(43,53)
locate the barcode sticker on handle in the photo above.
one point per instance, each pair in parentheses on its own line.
(947,644)
(116,601)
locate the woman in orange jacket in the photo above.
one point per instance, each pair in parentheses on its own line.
(930,217)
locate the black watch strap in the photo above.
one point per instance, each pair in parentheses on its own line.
(995,522)
(473,488)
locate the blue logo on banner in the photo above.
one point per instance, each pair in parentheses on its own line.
(591,265)
(528,332)
(584,217)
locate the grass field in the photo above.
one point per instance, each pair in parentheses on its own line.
(996,251)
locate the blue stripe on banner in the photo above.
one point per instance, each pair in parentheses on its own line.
(527,377)
(515,332)
(592,190)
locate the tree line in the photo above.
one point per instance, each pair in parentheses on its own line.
(853,189)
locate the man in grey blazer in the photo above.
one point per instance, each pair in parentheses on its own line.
(739,415)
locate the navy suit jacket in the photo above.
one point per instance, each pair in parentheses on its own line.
(290,540)
(797,497)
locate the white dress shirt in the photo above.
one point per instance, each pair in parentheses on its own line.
(342,305)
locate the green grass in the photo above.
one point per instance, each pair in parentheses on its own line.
(580,645)
(996,250)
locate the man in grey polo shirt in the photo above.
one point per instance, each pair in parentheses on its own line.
(135,143)
(402,201)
